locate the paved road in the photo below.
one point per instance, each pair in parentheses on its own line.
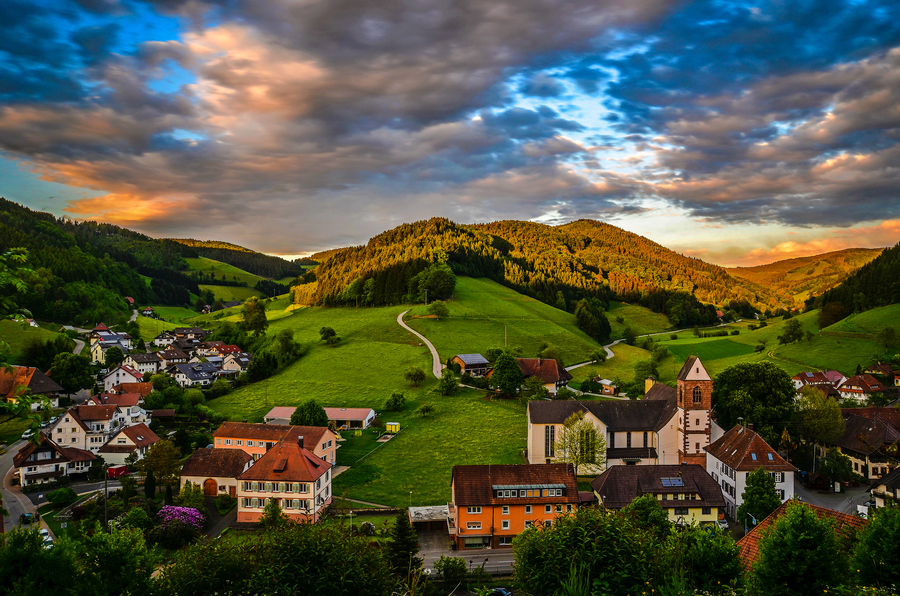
(844,502)
(13,500)
(436,366)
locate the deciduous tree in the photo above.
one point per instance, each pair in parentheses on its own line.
(760,392)
(793,331)
(877,556)
(507,376)
(819,417)
(309,413)
(272,515)
(254,316)
(114,357)
(163,458)
(414,375)
(759,497)
(72,372)
(448,383)
(439,309)
(579,443)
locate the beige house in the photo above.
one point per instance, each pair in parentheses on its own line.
(887,490)
(135,440)
(257,439)
(48,461)
(216,470)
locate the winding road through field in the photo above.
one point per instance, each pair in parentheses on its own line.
(436,365)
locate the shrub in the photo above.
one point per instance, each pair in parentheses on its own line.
(173,535)
(673,336)
(187,515)
(735,332)
(224,503)
(62,497)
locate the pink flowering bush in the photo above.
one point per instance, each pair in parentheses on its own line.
(187,515)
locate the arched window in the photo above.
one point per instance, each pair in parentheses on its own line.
(698,395)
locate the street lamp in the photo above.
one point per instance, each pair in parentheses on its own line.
(410,498)
(351,520)
(747,528)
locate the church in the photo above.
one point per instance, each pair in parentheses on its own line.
(669,426)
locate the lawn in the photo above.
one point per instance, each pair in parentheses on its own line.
(620,367)
(18,336)
(641,320)
(175,314)
(484,314)
(218,268)
(229,293)
(150,328)
(11,429)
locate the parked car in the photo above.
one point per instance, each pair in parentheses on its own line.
(499,592)
(722,523)
(29,518)
(27,434)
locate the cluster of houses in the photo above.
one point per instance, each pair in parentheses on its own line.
(856,390)
(551,373)
(183,354)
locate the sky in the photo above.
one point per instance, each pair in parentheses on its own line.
(736,132)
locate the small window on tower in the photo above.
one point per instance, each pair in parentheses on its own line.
(698,395)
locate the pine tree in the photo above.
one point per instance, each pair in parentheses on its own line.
(150,484)
(403,545)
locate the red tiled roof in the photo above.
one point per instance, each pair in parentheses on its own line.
(887,414)
(472,485)
(547,370)
(743,449)
(140,434)
(142,389)
(94,412)
(287,462)
(347,413)
(122,399)
(865,384)
(216,463)
(749,544)
(270,432)
(26,376)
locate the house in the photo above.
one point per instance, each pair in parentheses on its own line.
(121,374)
(164,339)
(148,364)
(292,475)
(350,418)
(860,387)
(209,348)
(836,378)
(132,440)
(19,380)
(46,460)
(148,311)
(198,373)
(216,470)
(472,364)
(739,452)
(99,348)
(31,323)
(686,492)
(190,333)
(492,504)
(257,439)
(70,430)
(226,349)
(670,425)
(607,387)
(143,389)
(748,546)
(886,491)
(816,379)
(868,440)
(236,362)
(128,406)
(551,373)
(172,356)
(882,370)
(635,431)
(101,423)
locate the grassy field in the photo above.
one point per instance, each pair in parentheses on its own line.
(640,319)
(150,328)
(229,293)
(175,314)
(17,336)
(483,311)
(218,268)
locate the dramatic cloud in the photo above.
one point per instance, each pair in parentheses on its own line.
(294,126)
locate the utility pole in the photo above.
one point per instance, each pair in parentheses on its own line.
(105,497)
(504,336)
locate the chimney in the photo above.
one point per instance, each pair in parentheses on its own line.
(648,383)
(750,426)
(300,441)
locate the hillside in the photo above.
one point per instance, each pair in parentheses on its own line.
(874,284)
(245,259)
(803,277)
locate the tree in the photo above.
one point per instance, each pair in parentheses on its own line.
(448,383)
(395,402)
(647,512)
(759,497)
(425,409)
(116,562)
(414,375)
(403,545)
(272,515)
(801,554)
(254,315)
(309,413)
(162,458)
(114,357)
(150,484)
(836,466)
(129,488)
(597,356)
(877,555)
(793,331)
(452,569)
(710,560)
(507,376)
(887,337)
(72,372)
(590,318)
(329,336)
(579,443)
(760,392)
(552,353)
(831,313)
(439,309)
(533,388)
(190,495)
(819,417)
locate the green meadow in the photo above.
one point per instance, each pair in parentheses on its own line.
(218,269)
(18,335)
(150,328)
(641,320)
(229,293)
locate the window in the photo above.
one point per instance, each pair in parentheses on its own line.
(612,440)
(681,511)
(504,524)
(505,540)
(569,508)
(698,395)
(707,510)
(228,441)
(698,422)
(696,446)
(245,485)
(547,523)
(249,443)
(239,443)
(246,502)
(645,439)
(527,509)
(521,493)
(473,510)
(506,510)
(303,488)
(548,508)
(550,440)
(780,494)
(559,509)
(473,525)
(528,523)
(628,439)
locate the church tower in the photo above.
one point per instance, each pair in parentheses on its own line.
(694,394)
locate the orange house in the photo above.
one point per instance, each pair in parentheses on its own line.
(257,439)
(492,504)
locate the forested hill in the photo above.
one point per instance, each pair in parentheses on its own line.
(244,258)
(81,272)
(803,277)
(874,284)
(558,265)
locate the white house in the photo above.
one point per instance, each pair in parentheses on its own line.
(130,440)
(47,461)
(739,452)
(148,364)
(121,374)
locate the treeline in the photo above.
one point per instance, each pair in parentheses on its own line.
(558,265)
(242,258)
(875,284)
(80,272)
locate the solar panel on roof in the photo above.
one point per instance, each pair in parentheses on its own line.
(672,482)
